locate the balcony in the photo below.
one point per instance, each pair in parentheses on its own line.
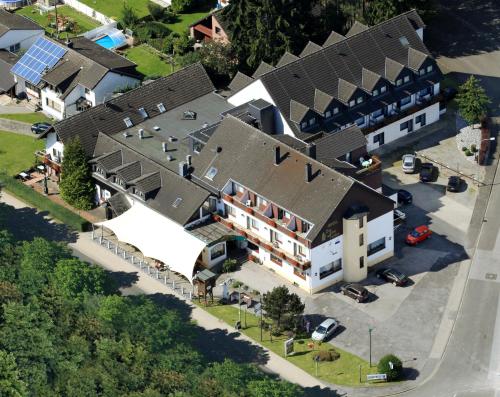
(47,159)
(295,261)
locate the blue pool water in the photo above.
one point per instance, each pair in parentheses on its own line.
(106,42)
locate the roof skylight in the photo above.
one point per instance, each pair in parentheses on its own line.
(211,173)
(128,122)
(177,202)
(143,113)
(161,107)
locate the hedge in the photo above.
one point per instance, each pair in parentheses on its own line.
(30,196)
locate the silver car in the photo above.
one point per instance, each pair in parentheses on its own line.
(325,329)
(408,164)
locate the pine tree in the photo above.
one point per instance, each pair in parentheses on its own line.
(472,100)
(76,186)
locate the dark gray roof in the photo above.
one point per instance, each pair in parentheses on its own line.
(392,69)
(262,69)
(129,171)
(291,141)
(110,161)
(239,82)
(309,49)
(337,144)
(356,28)
(369,79)
(11,21)
(119,203)
(7,60)
(416,58)
(321,100)
(333,38)
(286,59)
(172,186)
(345,90)
(174,90)
(297,111)
(148,183)
(284,184)
(211,232)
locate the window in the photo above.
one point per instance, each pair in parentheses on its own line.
(429,68)
(312,121)
(421,72)
(405,101)
(376,246)
(254,223)
(332,267)
(383,89)
(87,91)
(352,103)
(53,104)
(359,100)
(260,202)
(407,125)
(275,236)
(217,251)
(406,79)
(128,122)
(287,215)
(217,30)
(305,227)
(239,188)
(15,47)
(420,119)
(399,82)
(335,110)
(360,222)
(360,121)
(229,210)
(361,239)
(375,92)
(361,262)
(300,249)
(197,146)
(161,108)
(276,260)
(328,114)
(379,138)
(303,125)
(377,113)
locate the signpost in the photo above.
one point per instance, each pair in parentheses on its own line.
(376,377)
(316,361)
(288,347)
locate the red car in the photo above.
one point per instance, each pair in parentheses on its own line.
(418,235)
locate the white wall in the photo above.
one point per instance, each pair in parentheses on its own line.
(322,255)
(25,37)
(109,84)
(392,131)
(49,94)
(52,143)
(256,90)
(383,226)
(84,9)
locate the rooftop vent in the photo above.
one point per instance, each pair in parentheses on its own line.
(126,134)
(170,158)
(172,138)
(161,108)
(189,115)
(164,146)
(277,155)
(156,128)
(308,175)
(183,169)
(188,160)
(204,125)
(140,133)
(404,41)
(177,202)
(128,122)
(143,113)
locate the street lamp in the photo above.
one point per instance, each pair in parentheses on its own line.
(370,329)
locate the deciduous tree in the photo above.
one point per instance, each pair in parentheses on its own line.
(283,307)
(472,100)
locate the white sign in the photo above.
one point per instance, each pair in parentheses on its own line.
(376,377)
(288,347)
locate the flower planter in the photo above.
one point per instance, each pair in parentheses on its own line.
(270,222)
(249,210)
(229,198)
(293,262)
(291,233)
(267,247)
(216,217)
(282,255)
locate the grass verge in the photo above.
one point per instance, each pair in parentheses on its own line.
(148,63)
(30,196)
(17,152)
(30,118)
(184,20)
(114,8)
(344,371)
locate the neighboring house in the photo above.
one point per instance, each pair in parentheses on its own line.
(211,27)
(382,79)
(169,155)
(17,32)
(69,78)
(7,82)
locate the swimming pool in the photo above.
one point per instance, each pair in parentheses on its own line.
(106,42)
(112,39)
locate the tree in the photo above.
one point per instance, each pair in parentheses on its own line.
(9,260)
(77,187)
(11,384)
(218,58)
(380,10)
(268,387)
(129,17)
(156,11)
(391,366)
(283,307)
(472,100)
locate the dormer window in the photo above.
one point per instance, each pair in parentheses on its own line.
(421,72)
(303,125)
(406,79)
(399,82)
(375,92)
(143,113)
(335,110)
(352,102)
(359,100)
(383,89)
(360,121)
(128,122)
(429,68)
(312,121)
(328,114)
(161,108)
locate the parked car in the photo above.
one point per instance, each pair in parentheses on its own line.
(404,197)
(426,172)
(355,291)
(418,235)
(325,329)
(40,128)
(400,215)
(392,276)
(408,164)
(454,183)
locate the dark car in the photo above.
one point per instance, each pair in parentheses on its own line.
(404,197)
(392,276)
(40,128)
(355,291)
(426,172)
(454,183)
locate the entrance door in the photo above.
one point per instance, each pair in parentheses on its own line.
(410,125)
(249,223)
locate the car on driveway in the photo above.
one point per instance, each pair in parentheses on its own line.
(325,329)
(404,197)
(355,291)
(399,215)
(418,235)
(392,276)
(40,128)
(454,183)
(427,172)
(408,164)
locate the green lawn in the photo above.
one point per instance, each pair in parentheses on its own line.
(29,118)
(148,63)
(83,22)
(184,21)
(17,152)
(344,371)
(113,8)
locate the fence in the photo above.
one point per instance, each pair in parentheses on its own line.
(90,12)
(169,278)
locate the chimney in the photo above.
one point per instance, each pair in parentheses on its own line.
(311,150)
(308,175)
(69,43)
(277,155)
(183,169)
(164,146)
(141,133)
(188,160)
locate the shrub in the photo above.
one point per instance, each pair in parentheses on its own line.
(464,148)
(255,292)
(229,265)
(237,284)
(468,153)
(473,148)
(326,355)
(384,367)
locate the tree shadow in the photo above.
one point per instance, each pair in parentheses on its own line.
(123,279)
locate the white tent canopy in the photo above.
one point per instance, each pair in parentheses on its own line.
(157,237)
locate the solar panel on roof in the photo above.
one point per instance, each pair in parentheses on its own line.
(41,56)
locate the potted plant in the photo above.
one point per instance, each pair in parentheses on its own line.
(216,217)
